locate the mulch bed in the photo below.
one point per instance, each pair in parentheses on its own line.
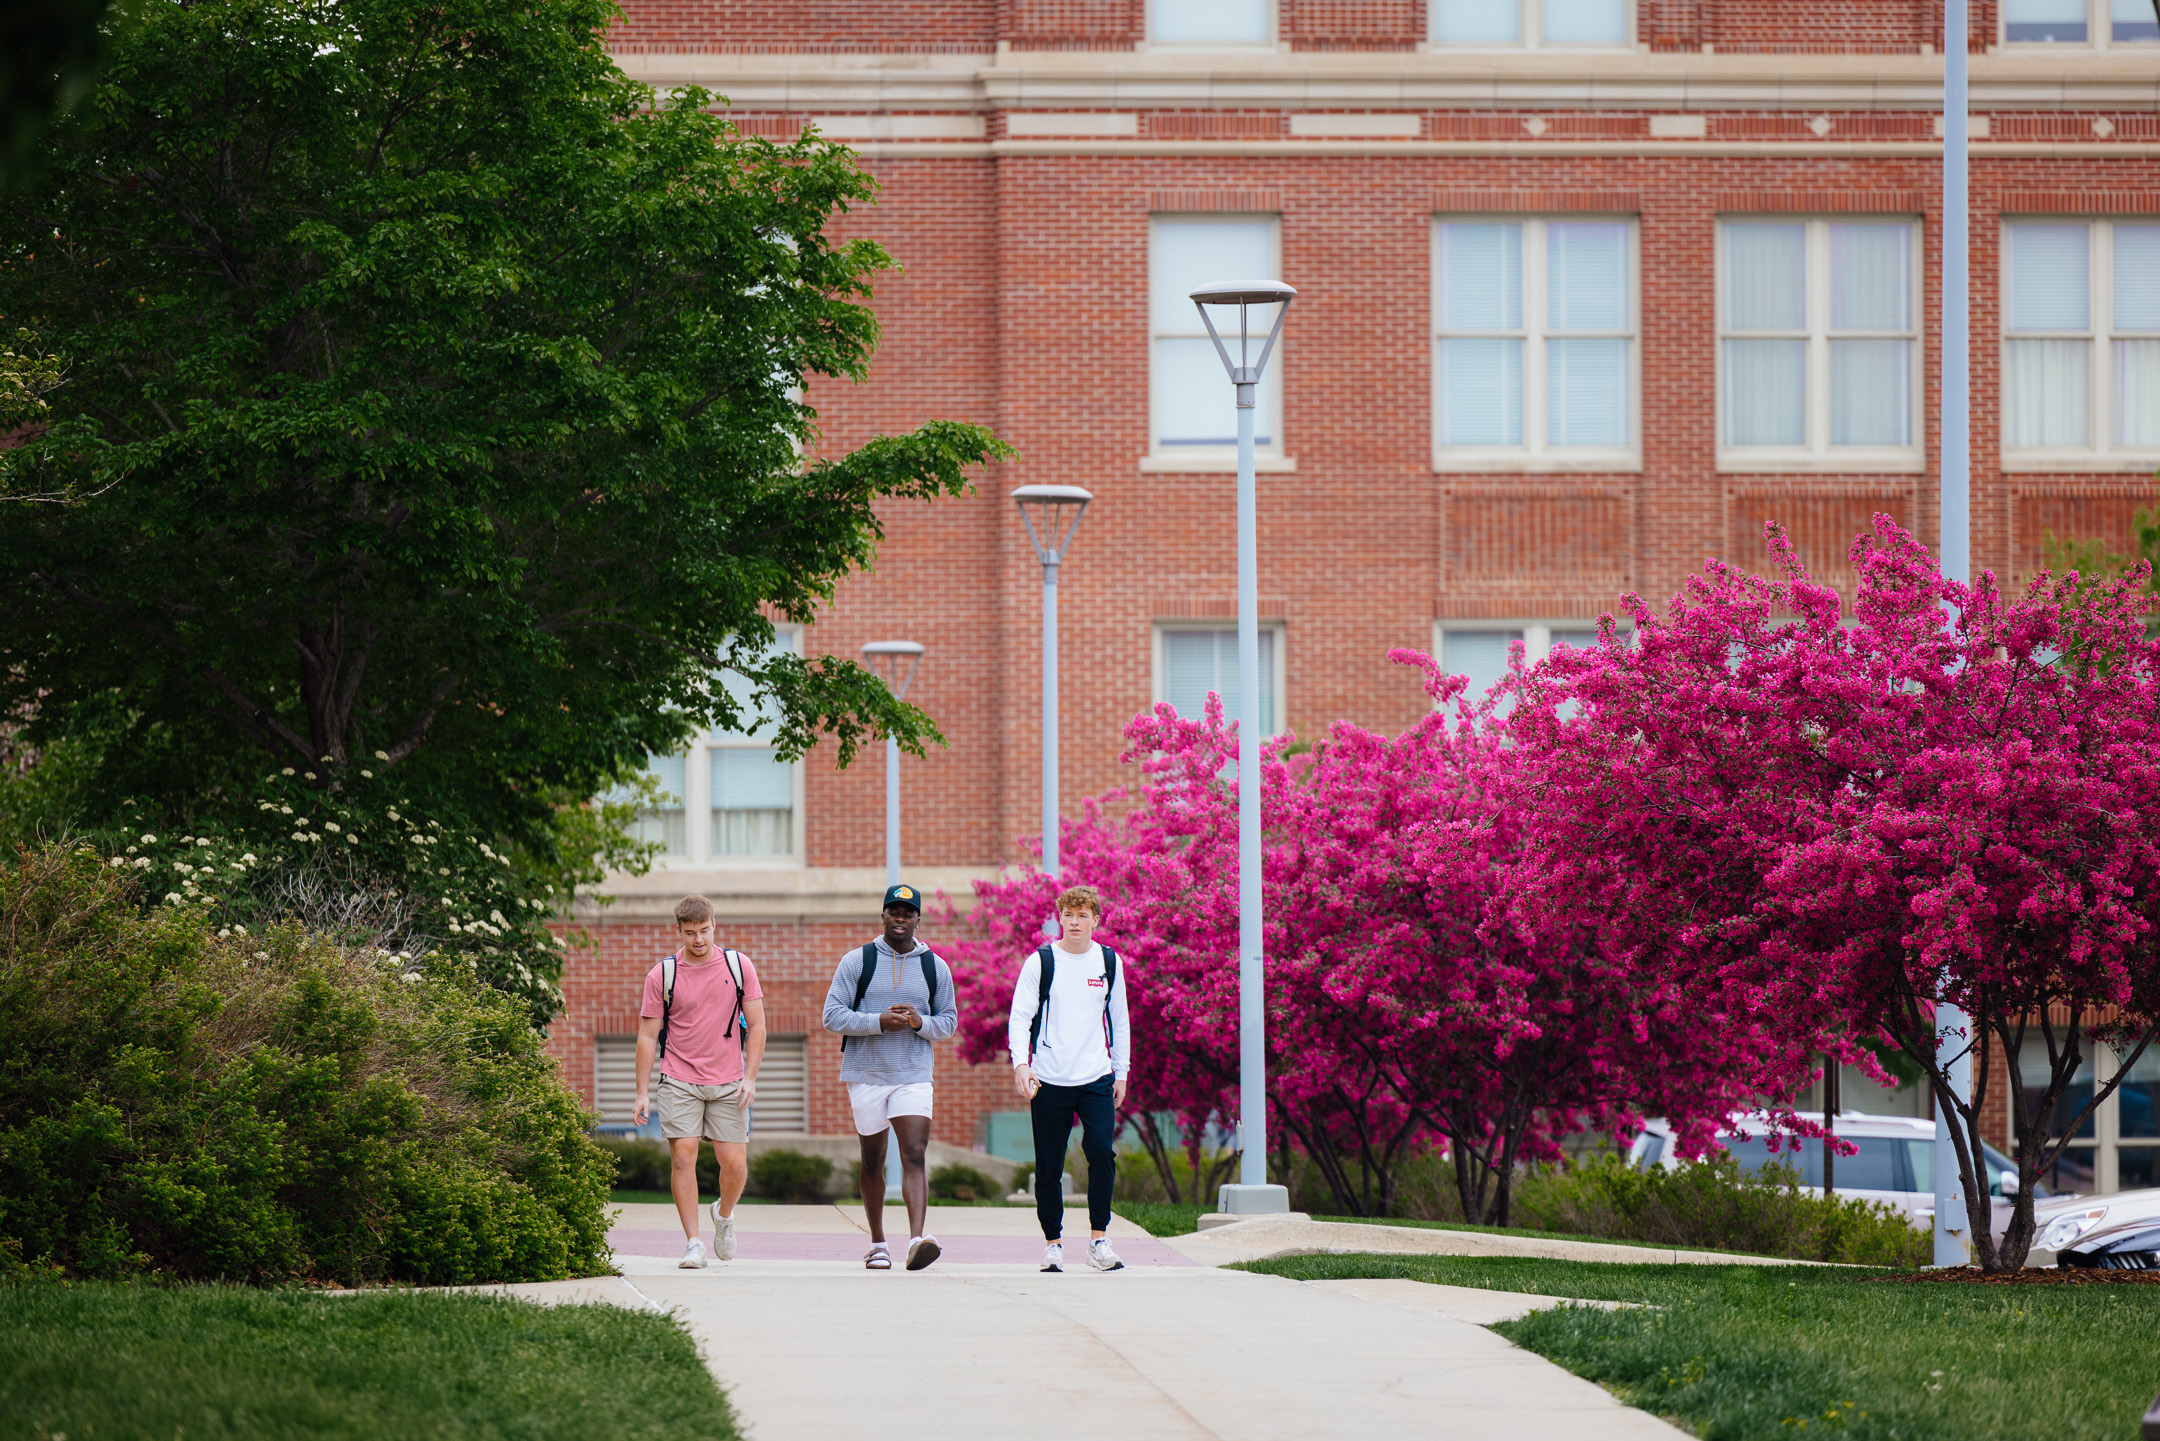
(2030,1276)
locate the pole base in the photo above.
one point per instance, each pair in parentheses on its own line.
(1236,1200)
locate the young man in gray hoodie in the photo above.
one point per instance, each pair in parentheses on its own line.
(889,1001)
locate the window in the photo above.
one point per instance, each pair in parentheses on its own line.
(615,1080)
(1534,343)
(2079,22)
(1194,404)
(1479,648)
(1191,660)
(2118,1146)
(1819,354)
(2081,342)
(751,798)
(1211,22)
(1532,23)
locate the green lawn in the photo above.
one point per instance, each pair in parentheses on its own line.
(1737,1353)
(1508,1231)
(1161,1218)
(202,1362)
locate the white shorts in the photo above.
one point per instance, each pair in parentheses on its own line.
(875,1106)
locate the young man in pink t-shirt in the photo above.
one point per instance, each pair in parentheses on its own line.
(708,1074)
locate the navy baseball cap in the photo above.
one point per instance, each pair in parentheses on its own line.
(903,896)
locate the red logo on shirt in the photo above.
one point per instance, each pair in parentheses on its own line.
(1095,980)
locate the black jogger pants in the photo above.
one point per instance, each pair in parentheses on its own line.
(1053,1110)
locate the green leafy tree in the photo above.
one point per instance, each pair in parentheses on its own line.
(435,392)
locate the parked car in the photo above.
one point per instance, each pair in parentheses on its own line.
(1895,1163)
(2073,1230)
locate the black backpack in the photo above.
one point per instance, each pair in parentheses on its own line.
(869,969)
(734,961)
(1046,964)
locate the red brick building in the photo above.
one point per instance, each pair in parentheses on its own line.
(1590,289)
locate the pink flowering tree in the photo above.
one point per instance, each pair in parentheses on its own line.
(1954,798)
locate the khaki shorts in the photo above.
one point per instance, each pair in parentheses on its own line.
(715,1112)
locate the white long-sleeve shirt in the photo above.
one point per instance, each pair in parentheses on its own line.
(1071,1050)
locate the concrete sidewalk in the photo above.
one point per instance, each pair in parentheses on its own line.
(814,1350)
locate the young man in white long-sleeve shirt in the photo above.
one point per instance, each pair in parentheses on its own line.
(1069,1058)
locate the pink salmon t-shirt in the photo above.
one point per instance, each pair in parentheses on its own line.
(701,1049)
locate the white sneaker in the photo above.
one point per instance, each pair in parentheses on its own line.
(723,1247)
(1102,1258)
(1054,1256)
(693,1256)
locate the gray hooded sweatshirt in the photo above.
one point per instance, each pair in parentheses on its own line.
(889,1058)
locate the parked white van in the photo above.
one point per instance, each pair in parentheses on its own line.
(1895,1164)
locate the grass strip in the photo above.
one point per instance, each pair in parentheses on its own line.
(209,1362)
(1162,1218)
(1739,1353)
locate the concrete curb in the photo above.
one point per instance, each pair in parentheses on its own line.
(1265,1238)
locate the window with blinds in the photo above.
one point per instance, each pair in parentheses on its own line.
(783,1086)
(1512,24)
(1479,649)
(1191,661)
(1819,353)
(2081,342)
(614,1078)
(1193,402)
(1211,22)
(1534,344)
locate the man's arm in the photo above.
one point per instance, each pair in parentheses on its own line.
(1120,1037)
(753,1022)
(840,1015)
(1027,998)
(648,1041)
(941,1026)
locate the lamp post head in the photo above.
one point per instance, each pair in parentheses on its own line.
(1245,372)
(1058,508)
(895,660)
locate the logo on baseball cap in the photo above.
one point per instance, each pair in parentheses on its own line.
(903,896)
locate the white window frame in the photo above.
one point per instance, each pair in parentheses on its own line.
(697,802)
(1817,454)
(1530,25)
(2100,451)
(2099,33)
(1280,669)
(2107,1143)
(1272,42)
(1536,454)
(1207,459)
(1537,635)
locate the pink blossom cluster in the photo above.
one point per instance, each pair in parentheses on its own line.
(1659,875)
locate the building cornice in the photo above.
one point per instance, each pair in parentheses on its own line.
(1275,80)
(778,894)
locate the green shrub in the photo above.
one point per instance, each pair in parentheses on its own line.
(792,1176)
(1715,1205)
(270,1107)
(961,1183)
(1024,1177)
(640,1164)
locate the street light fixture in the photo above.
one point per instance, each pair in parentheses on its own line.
(895,661)
(1252,1194)
(1052,514)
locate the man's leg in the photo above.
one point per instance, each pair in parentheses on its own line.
(734,1159)
(914,1135)
(682,1181)
(873,1183)
(1098,1142)
(1051,1111)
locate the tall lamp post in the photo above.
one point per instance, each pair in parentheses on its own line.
(1952,1048)
(895,660)
(1052,515)
(1251,1194)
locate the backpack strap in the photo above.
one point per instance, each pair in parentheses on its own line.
(667,1003)
(1046,967)
(739,1020)
(862,983)
(929,976)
